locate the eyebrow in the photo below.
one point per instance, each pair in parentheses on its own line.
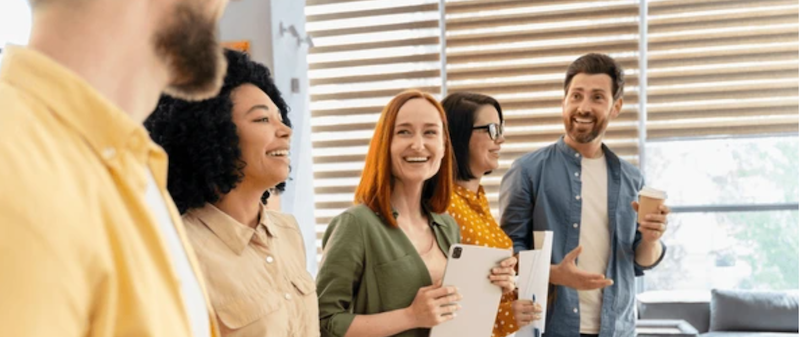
(256,107)
(593,90)
(426,125)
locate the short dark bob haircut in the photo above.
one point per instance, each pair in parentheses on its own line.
(200,137)
(594,64)
(460,108)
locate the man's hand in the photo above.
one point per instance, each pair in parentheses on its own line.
(567,274)
(655,224)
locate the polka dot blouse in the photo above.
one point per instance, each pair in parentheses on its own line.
(478,227)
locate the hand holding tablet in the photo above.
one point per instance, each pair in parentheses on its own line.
(481,275)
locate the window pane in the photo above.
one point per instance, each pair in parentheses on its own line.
(738,250)
(725,171)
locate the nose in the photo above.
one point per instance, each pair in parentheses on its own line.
(418,143)
(500,139)
(284,131)
(584,106)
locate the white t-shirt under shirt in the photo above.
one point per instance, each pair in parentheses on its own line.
(193,297)
(594,237)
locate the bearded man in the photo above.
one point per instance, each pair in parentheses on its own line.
(91,242)
(582,192)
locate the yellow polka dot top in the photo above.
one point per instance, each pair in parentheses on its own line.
(478,227)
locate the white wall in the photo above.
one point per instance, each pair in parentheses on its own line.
(249,20)
(258,21)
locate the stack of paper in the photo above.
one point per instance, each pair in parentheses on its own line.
(534,276)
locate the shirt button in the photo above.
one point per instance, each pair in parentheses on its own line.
(287,296)
(270,259)
(575,225)
(577,155)
(109,153)
(575,310)
(577,174)
(577,197)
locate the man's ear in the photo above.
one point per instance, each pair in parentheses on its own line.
(615,110)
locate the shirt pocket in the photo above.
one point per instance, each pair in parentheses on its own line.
(398,282)
(303,285)
(242,312)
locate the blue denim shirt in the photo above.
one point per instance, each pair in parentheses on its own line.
(539,193)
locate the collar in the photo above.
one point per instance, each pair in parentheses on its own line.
(104,126)
(433,218)
(575,155)
(233,233)
(469,195)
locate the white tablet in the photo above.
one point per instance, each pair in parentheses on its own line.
(468,269)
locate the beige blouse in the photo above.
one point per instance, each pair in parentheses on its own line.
(256,278)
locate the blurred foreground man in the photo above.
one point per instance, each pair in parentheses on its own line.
(90,242)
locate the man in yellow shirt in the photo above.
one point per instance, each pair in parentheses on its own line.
(90,241)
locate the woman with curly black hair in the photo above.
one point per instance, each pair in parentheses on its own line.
(225,153)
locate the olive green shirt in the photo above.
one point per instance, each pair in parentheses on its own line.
(370,267)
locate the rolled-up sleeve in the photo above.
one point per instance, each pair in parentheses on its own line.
(340,274)
(516,206)
(638,269)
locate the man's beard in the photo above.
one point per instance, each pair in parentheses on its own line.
(193,54)
(584,137)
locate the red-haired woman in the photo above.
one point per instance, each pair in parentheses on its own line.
(384,258)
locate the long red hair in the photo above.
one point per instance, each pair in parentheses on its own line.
(377,182)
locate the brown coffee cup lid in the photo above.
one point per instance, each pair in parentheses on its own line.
(652,193)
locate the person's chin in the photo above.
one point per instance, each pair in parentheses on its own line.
(581,137)
(416,178)
(200,86)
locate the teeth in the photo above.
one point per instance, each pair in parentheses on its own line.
(584,120)
(279,153)
(416,159)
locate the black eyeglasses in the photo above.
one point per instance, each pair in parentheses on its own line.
(495,130)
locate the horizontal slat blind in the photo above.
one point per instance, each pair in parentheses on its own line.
(364,53)
(722,68)
(518,52)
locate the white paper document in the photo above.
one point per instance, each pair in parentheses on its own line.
(534,276)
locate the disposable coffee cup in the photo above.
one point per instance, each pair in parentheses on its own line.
(650,199)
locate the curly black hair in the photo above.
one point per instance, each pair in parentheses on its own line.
(200,137)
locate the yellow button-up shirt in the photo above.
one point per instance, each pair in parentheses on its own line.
(80,252)
(257,278)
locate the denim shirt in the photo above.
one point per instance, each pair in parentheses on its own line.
(541,191)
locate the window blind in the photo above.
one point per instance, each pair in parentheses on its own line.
(722,68)
(364,53)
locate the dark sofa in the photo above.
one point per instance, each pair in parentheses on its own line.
(725,313)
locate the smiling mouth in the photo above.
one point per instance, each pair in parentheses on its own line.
(278,153)
(415,160)
(579,120)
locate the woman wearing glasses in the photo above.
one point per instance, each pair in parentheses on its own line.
(476,131)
